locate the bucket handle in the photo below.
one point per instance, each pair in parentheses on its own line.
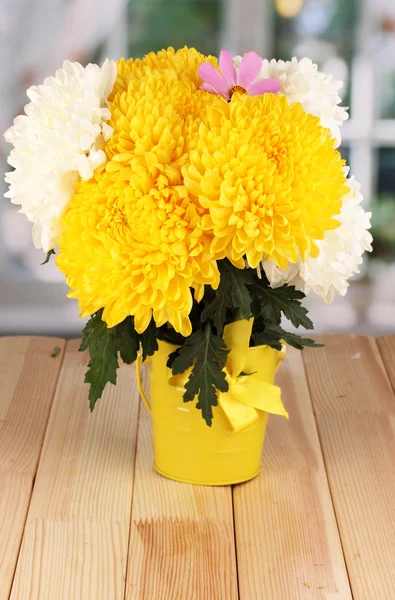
(140,385)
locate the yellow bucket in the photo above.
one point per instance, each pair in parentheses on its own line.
(185,448)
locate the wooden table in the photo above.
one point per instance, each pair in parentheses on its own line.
(83,516)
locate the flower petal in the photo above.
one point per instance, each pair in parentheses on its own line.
(249,69)
(206,87)
(57,141)
(210,75)
(227,67)
(264,85)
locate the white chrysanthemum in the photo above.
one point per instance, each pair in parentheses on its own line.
(278,277)
(302,82)
(58,140)
(340,255)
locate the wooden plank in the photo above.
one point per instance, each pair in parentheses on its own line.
(387,350)
(76,534)
(355,409)
(287,539)
(182,538)
(28,375)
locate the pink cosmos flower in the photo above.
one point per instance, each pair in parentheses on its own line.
(230,80)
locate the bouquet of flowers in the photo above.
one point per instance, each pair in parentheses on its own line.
(182,195)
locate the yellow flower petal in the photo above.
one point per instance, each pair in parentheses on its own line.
(132,239)
(191,179)
(274,182)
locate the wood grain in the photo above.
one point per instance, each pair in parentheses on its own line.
(387,350)
(182,538)
(287,539)
(76,534)
(181,545)
(354,408)
(28,376)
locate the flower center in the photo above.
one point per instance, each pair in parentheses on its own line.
(237,88)
(114,218)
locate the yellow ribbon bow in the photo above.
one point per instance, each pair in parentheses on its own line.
(247,394)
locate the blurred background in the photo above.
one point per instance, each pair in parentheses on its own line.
(353,39)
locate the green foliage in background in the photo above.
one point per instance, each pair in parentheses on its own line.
(157,24)
(383,228)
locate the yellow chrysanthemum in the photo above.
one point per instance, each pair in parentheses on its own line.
(190,179)
(184,64)
(132,240)
(268,177)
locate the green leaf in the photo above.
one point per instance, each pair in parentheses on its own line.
(103,364)
(172,358)
(102,369)
(273,335)
(216,311)
(277,301)
(126,340)
(55,352)
(269,337)
(94,329)
(104,344)
(149,341)
(168,334)
(206,353)
(232,294)
(49,254)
